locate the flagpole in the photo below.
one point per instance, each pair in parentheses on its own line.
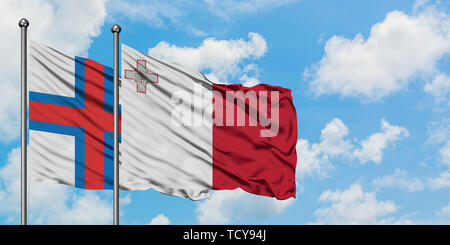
(23,24)
(116,30)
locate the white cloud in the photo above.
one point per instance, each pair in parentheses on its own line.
(385,62)
(443,180)
(160,219)
(159,13)
(311,160)
(398,180)
(88,208)
(403,220)
(227,8)
(68,26)
(316,158)
(178,13)
(332,138)
(419,5)
(439,131)
(249,81)
(225,207)
(194,31)
(440,182)
(439,86)
(51,203)
(220,58)
(444,211)
(372,148)
(153,12)
(250,74)
(354,206)
(445,153)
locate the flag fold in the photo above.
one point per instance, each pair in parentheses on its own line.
(184,135)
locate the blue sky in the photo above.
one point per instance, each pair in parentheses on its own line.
(370,82)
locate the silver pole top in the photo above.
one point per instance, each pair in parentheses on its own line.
(24,23)
(115,28)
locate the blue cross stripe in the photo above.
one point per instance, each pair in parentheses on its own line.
(79,102)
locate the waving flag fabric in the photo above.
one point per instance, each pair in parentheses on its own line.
(70,119)
(184,135)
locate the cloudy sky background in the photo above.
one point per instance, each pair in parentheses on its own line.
(370,81)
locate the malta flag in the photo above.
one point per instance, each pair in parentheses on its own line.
(183,135)
(70,119)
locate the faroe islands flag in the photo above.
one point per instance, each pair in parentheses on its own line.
(70,119)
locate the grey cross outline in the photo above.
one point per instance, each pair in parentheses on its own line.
(141,76)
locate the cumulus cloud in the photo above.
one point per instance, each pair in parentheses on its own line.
(52,23)
(51,203)
(250,75)
(160,219)
(221,59)
(386,61)
(316,158)
(228,207)
(440,182)
(311,160)
(354,206)
(333,140)
(439,86)
(249,81)
(444,211)
(372,148)
(399,179)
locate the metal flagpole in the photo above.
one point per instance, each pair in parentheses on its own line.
(23,24)
(116,30)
